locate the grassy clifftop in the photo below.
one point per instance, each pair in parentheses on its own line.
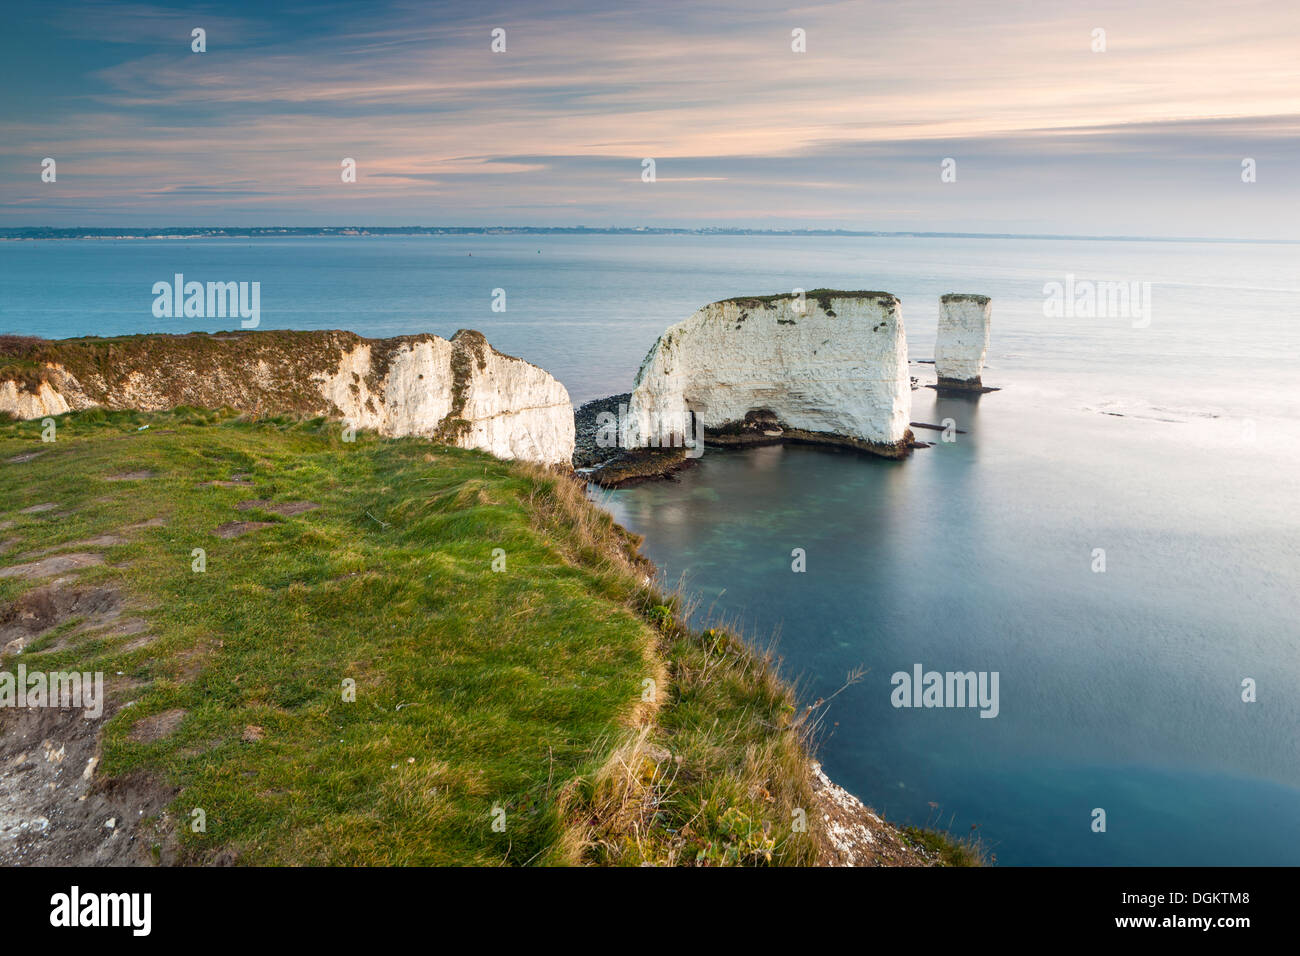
(522,692)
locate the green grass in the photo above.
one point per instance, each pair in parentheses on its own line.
(950,850)
(473,687)
(520,689)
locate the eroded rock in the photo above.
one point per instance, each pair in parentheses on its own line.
(831,367)
(963,341)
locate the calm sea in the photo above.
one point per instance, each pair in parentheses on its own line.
(1167,439)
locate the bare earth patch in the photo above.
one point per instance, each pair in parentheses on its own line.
(148,729)
(233,529)
(107,627)
(158,522)
(103,541)
(20,459)
(53,810)
(133,475)
(52,566)
(129,627)
(236,481)
(183,666)
(286,508)
(39,610)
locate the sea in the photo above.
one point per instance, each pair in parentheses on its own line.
(1114,533)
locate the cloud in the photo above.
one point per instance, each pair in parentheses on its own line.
(850,132)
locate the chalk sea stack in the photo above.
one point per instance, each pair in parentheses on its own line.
(828,367)
(460,392)
(963,342)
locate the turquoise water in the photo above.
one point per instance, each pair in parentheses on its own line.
(1172,446)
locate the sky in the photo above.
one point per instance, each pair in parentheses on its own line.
(1047,134)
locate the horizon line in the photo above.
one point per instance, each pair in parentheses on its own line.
(36,233)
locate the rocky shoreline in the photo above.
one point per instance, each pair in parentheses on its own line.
(610,465)
(613,466)
(587,453)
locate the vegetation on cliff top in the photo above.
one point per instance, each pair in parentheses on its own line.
(178,366)
(821,296)
(478,692)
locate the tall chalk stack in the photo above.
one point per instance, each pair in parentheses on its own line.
(963,341)
(830,368)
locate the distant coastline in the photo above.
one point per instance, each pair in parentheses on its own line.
(24,233)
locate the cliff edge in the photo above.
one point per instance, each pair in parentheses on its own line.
(460,392)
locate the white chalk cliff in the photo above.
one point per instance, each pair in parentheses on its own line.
(963,340)
(831,367)
(460,392)
(42,400)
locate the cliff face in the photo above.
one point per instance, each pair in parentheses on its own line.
(835,371)
(462,392)
(42,400)
(963,340)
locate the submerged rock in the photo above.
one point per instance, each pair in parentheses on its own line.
(829,368)
(460,392)
(963,341)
